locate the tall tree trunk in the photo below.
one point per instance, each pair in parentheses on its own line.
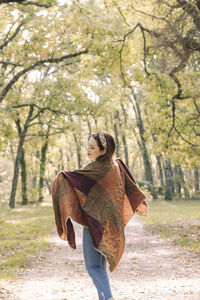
(48,185)
(159,164)
(196,179)
(181,175)
(169,180)
(117,117)
(18,158)
(61,166)
(124,135)
(96,123)
(125,149)
(143,146)
(12,151)
(77,140)
(42,166)
(24,179)
(23,168)
(78,150)
(158,159)
(89,128)
(116,135)
(177,181)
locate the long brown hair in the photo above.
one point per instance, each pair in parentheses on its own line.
(110,145)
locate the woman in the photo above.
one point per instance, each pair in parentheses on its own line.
(102,197)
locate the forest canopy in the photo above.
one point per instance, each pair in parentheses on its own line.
(70,68)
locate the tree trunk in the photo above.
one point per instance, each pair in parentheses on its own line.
(78,150)
(42,166)
(89,128)
(124,135)
(169,180)
(116,136)
(96,123)
(143,146)
(158,159)
(18,158)
(196,179)
(117,117)
(181,175)
(159,164)
(48,185)
(177,181)
(24,179)
(23,168)
(125,149)
(61,166)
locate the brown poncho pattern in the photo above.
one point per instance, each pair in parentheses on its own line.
(102,196)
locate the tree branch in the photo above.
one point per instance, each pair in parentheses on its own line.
(185,140)
(120,12)
(122,47)
(149,15)
(175,128)
(177,81)
(6,63)
(191,10)
(24,2)
(35,65)
(13,36)
(53,133)
(144,51)
(42,108)
(36,4)
(197,107)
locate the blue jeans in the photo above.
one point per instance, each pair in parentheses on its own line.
(95,264)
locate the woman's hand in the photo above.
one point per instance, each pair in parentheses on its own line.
(142,209)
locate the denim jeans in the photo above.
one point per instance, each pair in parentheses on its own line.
(95,264)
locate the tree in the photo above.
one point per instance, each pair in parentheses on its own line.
(19,155)
(23,166)
(43,163)
(169,189)
(142,143)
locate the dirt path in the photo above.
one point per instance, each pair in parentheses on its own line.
(151,268)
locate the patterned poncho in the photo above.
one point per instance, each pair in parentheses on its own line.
(102,196)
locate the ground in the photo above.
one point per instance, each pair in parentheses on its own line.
(151,268)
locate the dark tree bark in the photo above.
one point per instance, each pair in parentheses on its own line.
(95,123)
(117,117)
(48,185)
(124,135)
(183,183)
(116,135)
(26,2)
(169,180)
(196,179)
(24,179)
(177,181)
(159,164)
(42,165)
(78,150)
(23,168)
(143,146)
(89,128)
(18,158)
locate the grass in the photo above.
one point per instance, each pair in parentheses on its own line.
(24,231)
(178,220)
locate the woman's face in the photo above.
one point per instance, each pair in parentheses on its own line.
(93,150)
